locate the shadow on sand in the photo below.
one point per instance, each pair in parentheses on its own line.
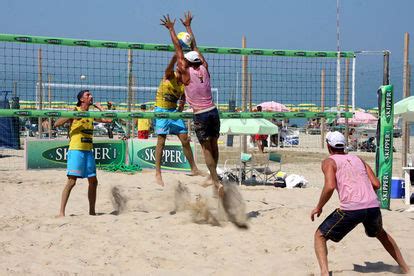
(377,268)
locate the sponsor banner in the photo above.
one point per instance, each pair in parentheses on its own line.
(48,154)
(142,152)
(385,143)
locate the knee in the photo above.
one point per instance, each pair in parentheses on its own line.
(71,181)
(185,142)
(318,235)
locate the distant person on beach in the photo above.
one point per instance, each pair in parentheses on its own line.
(261,140)
(80,158)
(193,73)
(356,184)
(143,125)
(169,93)
(110,126)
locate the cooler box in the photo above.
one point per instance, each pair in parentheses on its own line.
(397,187)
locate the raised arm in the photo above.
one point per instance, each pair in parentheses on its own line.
(100,108)
(188,17)
(166,21)
(169,71)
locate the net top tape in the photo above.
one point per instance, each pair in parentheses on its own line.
(169,47)
(167,115)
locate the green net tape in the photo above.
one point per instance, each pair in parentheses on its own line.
(168,47)
(167,115)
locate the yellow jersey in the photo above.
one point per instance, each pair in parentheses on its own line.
(81,133)
(168,93)
(144,124)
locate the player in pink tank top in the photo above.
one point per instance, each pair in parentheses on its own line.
(355,183)
(193,72)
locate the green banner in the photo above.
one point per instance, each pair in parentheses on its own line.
(167,115)
(167,47)
(385,143)
(142,152)
(48,154)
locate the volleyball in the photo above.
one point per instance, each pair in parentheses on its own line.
(184,39)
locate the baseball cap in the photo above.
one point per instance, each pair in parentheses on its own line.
(336,139)
(192,57)
(80,95)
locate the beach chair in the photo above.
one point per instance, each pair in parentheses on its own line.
(266,173)
(241,167)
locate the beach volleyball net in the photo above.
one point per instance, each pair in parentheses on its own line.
(41,76)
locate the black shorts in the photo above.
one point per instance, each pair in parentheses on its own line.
(207,125)
(339,223)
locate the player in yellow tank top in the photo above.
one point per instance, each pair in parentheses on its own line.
(81,133)
(80,160)
(168,94)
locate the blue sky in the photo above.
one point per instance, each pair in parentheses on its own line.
(281,24)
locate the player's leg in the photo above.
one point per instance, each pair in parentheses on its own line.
(158,156)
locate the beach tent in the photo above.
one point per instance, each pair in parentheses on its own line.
(273,106)
(405,109)
(247,127)
(360,118)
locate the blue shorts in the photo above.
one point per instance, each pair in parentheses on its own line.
(207,125)
(340,222)
(81,163)
(169,126)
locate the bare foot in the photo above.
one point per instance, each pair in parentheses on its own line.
(159,180)
(92,213)
(196,172)
(218,190)
(60,215)
(207,182)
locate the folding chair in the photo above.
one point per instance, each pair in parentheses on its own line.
(241,167)
(266,173)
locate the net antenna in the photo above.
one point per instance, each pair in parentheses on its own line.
(338,61)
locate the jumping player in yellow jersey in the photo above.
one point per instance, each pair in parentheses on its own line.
(171,91)
(80,159)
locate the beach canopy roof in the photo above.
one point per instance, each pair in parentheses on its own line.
(273,106)
(247,126)
(405,109)
(360,118)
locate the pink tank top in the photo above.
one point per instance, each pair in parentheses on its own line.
(352,183)
(198,91)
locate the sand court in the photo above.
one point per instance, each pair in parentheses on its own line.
(145,232)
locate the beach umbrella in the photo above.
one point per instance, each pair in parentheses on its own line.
(273,106)
(247,126)
(360,118)
(405,109)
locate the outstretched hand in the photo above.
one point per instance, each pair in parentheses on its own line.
(187,19)
(316,212)
(167,22)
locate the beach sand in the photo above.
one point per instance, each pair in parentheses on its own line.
(153,231)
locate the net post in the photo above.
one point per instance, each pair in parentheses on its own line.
(346,99)
(406,93)
(129,97)
(39,97)
(323,108)
(244,90)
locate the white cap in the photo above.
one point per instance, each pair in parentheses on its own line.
(336,139)
(192,57)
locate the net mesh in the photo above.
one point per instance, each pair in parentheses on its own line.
(49,76)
